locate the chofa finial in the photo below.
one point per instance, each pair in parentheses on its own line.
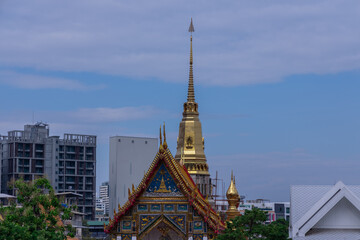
(165,143)
(160,136)
(164,133)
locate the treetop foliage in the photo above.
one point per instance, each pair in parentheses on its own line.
(250,226)
(38,215)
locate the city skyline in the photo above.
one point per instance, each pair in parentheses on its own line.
(277,99)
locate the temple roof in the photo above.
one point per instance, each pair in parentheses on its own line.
(183,181)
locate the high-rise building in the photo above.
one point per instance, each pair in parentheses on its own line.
(100,205)
(190,143)
(129,158)
(69,163)
(104,196)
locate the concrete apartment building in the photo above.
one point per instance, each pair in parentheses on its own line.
(129,158)
(69,163)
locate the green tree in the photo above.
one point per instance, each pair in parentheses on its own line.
(234,231)
(253,221)
(250,226)
(277,230)
(39,215)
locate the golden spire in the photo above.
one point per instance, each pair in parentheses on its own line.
(232,191)
(190,144)
(233,198)
(191,92)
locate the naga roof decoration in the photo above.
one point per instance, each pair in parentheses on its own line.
(183,185)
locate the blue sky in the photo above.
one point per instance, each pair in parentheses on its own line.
(277,82)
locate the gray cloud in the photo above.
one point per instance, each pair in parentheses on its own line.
(113,114)
(236,42)
(31,81)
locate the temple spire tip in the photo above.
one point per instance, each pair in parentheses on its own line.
(191,27)
(191,92)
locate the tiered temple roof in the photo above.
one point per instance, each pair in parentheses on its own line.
(184,184)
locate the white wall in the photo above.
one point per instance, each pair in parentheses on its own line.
(343,215)
(129,157)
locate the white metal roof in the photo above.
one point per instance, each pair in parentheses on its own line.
(309,204)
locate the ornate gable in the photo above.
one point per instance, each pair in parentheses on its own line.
(166,201)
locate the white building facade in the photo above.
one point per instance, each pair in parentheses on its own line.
(129,158)
(273,210)
(104,196)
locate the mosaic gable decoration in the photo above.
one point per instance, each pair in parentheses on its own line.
(169,207)
(155,208)
(182,207)
(198,237)
(142,207)
(179,221)
(198,225)
(146,220)
(126,225)
(162,184)
(125,236)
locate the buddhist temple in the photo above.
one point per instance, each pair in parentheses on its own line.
(166,205)
(173,200)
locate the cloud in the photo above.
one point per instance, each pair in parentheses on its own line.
(114,114)
(236,42)
(30,81)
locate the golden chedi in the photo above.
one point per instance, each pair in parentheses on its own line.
(233,199)
(190,142)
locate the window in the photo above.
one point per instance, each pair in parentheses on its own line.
(70,171)
(70,164)
(70,179)
(70,149)
(90,165)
